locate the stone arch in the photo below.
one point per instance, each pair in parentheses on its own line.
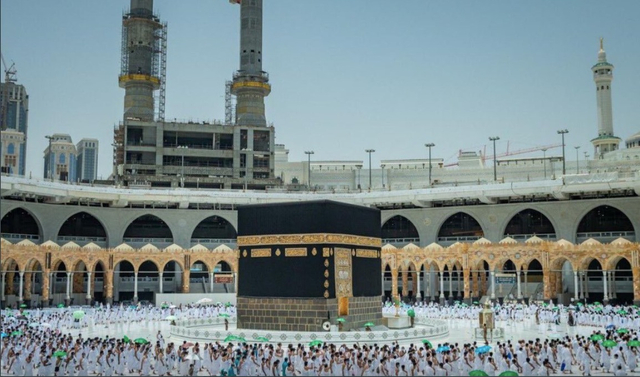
(528,222)
(199,270)
(459,226)
(207,267)
(400,227)
(99,270)
(604,218)
(612,262)
(214,227)
(82,226)
(21,221)
(174,260)
(587,263)
(148,227)
(79,270)
(10,264)
(557,263)
(146,264)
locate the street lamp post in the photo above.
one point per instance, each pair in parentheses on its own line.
(182,148)
(309,153)
(429,145)
(359,167)
(564,166)
(544,161)
(370,151)
(577,160)
(495,162)
(50,159)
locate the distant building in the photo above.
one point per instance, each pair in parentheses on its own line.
(12,151)
(60,158)
(87,162)
(14,116)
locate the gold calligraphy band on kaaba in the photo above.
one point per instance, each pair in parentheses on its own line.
(312,238)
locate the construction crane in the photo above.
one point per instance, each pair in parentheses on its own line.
(510,153)
(9,71)
(9,76)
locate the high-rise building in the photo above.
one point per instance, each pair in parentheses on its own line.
(60,158)
(87,162)
(12,150)
(603,76)
(14,115)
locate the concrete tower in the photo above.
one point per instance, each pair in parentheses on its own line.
(143,58)
(603,76)
(250,83)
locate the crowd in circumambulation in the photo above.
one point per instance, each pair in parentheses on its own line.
(31,348)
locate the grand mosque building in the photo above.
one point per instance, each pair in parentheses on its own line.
(515,228)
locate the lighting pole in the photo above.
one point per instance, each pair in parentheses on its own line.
(309,153)
(359,167)
(429,145)
(495,162)
(586,160)
(577,160)
(544,161)
(564,166)
(50,159)
(369,151)
(182,148)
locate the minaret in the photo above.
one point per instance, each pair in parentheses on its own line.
(603,76)
(250,83)
(143,61)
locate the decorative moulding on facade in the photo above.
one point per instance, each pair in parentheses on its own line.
(591,242)
(123,247)
(410,246)
(454,246)
(172,248)
(149,247)
(482,241)
(564,243)
(4,242)
(389,247)
(621,242)
(91,246)
(199,247)
(434,247)
(508,241)
(533,240)
(26,243)
(70,245)
(222,249)
(50,245)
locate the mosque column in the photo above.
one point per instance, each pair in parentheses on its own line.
(432,284)
(466,284)
(20,292)
(460,284)
(185,280)
(526,281)
(88,296)
(575,285)
(67,298)
(518,284)
(10,287)
(493,284)
(441,287)
(44,299)
(636,285)
(211,279)
(612,285)
(581,283)
(394,283)
(474,284)
(405,283)
(235,283)
(416,283)
(2,298)
(450,284)
(605,299)
(108,286)
(546,283)
(28,276)
(160,281)
(586,284)
(135,287)
(483,283)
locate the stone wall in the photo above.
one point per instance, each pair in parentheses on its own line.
(304,314)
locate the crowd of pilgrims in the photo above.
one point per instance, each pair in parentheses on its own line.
(612,347)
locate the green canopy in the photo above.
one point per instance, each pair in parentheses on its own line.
(509,373)
(580,304)
(233,338)
(427,343)
(126,339)
(17,333)
(61,305)
(78,314)
(544,304)
(164,306)
(141,341)
(597,303)
(609,343)
(478,372)
(623,312)
(262,339)
(464,305)
(341,320)
(598,309)
(369,324)
(316,342)
(23,305)
(411,313)
(59,354)
(224,315)
(634,306)
(475,303)
(633,343)
(596,337)
(622,331)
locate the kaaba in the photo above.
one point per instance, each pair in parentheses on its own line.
(303,265)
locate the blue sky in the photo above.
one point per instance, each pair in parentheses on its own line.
(346,75)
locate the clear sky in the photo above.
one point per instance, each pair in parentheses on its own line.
(346,75)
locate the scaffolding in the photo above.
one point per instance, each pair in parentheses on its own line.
(229,109)
(118,147)
(160,65)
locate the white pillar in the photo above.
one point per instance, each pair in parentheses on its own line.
(581,283)
(418,294)
(88,297)
(4,276)
(432,284)
(604,281)
(235,282)
(576,286)
(450,283)
(493,285)
(612,285)
(211,278)
(135,285)
(160,281)
(68,286)
(460,284)
(525,283)
(441,284)
(518,283)
(52,283)
(21,293)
